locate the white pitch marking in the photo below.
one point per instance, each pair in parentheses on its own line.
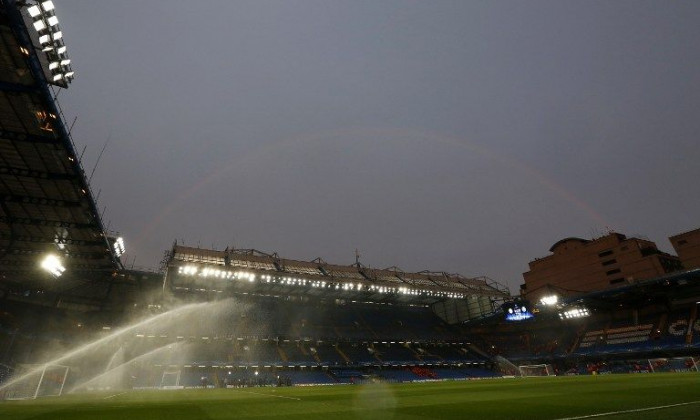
(270,395)
(636,410)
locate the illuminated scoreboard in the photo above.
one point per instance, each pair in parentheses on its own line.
(517,311)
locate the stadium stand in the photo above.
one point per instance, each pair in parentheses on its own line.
(46,204)
(333,341)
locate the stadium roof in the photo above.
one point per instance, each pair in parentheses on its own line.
(204,270)
(672,290)
(46,206)
(565,240)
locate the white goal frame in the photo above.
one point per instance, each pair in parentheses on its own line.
(671,364)
(545,368)
(167,373)
(35,391)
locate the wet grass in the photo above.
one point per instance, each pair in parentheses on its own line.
(528,398)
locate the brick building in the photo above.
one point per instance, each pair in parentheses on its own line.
(687,246)
(580,265)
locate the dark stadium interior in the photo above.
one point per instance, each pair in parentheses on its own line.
(243,317)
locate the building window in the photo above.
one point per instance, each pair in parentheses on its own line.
(670,265)
(605,253)
(609,262)
(617,281)
(614,271)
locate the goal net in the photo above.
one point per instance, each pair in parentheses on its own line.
(170,379)
(536,370)
(506,367)
(32,381)
(674,364)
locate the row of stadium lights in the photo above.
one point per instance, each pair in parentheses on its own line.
(192,270)
(298,340)
(573,313)
(257,366)
(51,39)
(307,340)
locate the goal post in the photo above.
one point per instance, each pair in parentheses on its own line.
(506,367)
(170,379)
(33,381)
(674,364)
(52,381)
(536,370)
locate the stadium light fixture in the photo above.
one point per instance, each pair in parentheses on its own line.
(53,265)
(34,11)
(578,312)
(549,300)
(39,25)
(119,248)
(46,23)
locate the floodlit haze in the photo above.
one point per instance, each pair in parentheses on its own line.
(457,136)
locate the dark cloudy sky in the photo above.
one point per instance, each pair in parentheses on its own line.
(457,136)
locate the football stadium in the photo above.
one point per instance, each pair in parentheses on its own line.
(245,333)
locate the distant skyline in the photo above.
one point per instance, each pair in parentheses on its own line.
(451,136)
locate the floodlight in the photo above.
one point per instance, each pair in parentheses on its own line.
(52,264)
(46,24)
(34,11)
(549,300)
(574,313)
(119,247)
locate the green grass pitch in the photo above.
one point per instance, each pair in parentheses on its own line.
(517,398)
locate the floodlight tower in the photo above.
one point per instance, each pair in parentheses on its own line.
(45,22)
